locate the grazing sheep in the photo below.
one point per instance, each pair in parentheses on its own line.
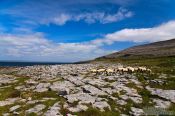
(136,69)
(122,70)
(116,70)
(142,69)
(149,70)
(93,70)
(130,69)
(109,71)
(125,70)
(101,71)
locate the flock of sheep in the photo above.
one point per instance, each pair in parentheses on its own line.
(110,71)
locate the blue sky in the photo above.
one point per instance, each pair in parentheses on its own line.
(75,30)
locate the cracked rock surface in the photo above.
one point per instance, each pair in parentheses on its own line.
(73,89)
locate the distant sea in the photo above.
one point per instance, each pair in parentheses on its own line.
(14,64)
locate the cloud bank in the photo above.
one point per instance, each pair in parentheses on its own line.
(92,17)
(161,32)
(36,46)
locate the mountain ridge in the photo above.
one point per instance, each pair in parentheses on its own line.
(155,49)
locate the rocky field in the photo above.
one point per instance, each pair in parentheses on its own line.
(72,89)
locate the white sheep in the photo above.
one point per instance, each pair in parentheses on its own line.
(149,70)
(142,69)
(93,70)
(109,71)
(136,69)
(101,71)
(125,70)
(122,70)
(130,69)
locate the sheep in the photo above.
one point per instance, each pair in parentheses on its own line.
(101,71)
(136,69)
(149,70)
(125,70)
(116,70)
(130,69)
(142,69)
(109,71)
(122,70)
(93,70)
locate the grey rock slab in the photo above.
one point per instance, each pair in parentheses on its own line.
(136,111)
(78,108)
(36,109)
(167,94)
(121,102)
(82,97)
(14,108)
(161,103)
(101,105)
(64,86)
(8,101)
(42,87)
(93,90)
(54,110)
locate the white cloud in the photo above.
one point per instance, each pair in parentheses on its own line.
(60,13)
(35,46)
(162,32)
(120,15)
(91,17)
(61,19)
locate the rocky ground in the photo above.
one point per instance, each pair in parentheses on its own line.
(72,89)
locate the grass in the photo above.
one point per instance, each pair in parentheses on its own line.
(37,95)
(95,112)
(169,84)
(11,92)
(172,108)
(158,65)
(146,96)
(133,85)
(5,109)
(164,65)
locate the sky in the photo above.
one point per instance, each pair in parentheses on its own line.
(78,30)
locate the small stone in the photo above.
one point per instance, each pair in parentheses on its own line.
(36,109)
(161,103)
(136,111)
(54,110)
(14,108)
(42,87)
(101,105)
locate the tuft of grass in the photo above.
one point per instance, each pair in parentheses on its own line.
(146,96)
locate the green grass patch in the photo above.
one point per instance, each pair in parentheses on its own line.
(156,64)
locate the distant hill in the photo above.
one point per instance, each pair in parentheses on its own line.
(157,49)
